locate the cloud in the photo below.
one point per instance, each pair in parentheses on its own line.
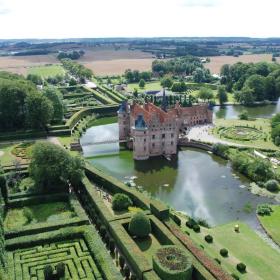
(200,3)
(3,9)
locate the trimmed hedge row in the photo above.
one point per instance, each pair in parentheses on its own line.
(115,186)
(103,99)
(110,94)
(109,109)
(22,135)
(160,210)
(120,95)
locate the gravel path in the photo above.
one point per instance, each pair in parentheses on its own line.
(54,140)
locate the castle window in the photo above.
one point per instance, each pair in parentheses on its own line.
(163,136)
(172,135)
(145,140)
(162,144)
(144,148)
(172,143)
(153,145)
(153,136)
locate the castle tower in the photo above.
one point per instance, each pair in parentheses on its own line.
(124,121)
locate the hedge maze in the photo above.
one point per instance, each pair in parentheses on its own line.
(29,263)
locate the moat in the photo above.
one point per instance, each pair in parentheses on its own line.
(195,182)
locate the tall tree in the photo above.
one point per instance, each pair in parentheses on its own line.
(222,95)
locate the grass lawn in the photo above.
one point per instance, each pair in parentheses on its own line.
(149,86)
(272,223)
(6,157)
(103,121)
(47,70)
(148,246)
(262,261)
(261,124)
(53,211)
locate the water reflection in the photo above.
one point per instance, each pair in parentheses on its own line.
(232,112)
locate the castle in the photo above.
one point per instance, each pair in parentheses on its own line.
(155,131)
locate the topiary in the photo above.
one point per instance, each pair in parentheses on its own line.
(241,267)
(60,269)
(208,238)
(121,202)
(264,209)
(140,225)
(272,185)
(234,276)
(218,260)
(171,262)
(190,223)
(224,252)
(196,228)
(48,272)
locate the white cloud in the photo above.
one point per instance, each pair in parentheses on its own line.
(138,18)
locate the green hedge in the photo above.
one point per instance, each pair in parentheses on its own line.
(103,99)
(8,136)
(110,94)
(150,275)
(101,110)
(160,210)
(118,94)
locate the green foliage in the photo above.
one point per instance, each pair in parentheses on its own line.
(140,225)
(142,83)
(205,94)
(60,269)
(241,267)
(222,95)
(244,115)
(36,79)
(135,76)
(28,214)
(272,185)
(196,228)
(121,202)
(190,223)
(52,166)
(264,210)
(39,110)
(220,149)
(224,252)
(166,82)
(48,272)
(121,261)
(171,262)
(179,87)
(208,238)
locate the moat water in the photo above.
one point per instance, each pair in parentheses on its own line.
(195,182)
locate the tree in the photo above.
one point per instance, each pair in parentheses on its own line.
(121,202)
(36,79)
(142,83)
(205,94)
(222,95)
(179,87)
(55,97)
(51,166)
(257,84)
(166,82)
(244,115)
(140,225)
(39,110)
(245,96)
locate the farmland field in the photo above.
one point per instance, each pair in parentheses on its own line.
(216,62)
(20,64)
(108,61)
(47,71)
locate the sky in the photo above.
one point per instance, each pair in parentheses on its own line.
(138,18)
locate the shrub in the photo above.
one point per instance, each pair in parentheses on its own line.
(121,261)
(264,210)
(218,260)
(140,225)
(121,202)
(243,115)
(112,246)
(272,185)
(28,214)
(102,231)
(126,271)
(234,276)
(171,262)
(220,150)
(48,272)
(133,277)
(241,267)
(203,223)
(60,269)
(208,238)
(190,223)
(224,252)
(196,228)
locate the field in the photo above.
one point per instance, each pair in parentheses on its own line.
(216,62)
(272,223)
(47,70)
(20,64)
(245,246)
(108,61)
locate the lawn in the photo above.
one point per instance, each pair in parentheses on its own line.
(47,70)
(262,261)
(263,125)
(6,157)
(103,121)
(54,211)
(149,86)
(272,223)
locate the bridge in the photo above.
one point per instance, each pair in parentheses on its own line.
(106,141)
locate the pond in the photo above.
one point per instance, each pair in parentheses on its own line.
(232,111)
(195,182)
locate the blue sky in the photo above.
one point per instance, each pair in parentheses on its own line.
(138,18)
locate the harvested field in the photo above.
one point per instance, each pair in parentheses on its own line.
(20,64)
(108,61)
(217,62)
